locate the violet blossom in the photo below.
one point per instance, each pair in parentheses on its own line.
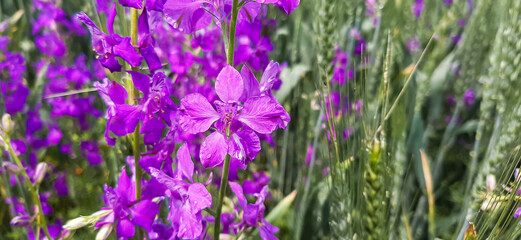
(111,46)
(238,122)
(253,213)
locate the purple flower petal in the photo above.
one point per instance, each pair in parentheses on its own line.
(267,231)
(213,150)
(251,85)
(126,51)
(190,226)
(187,15)
(151,58)
(237,189)
(197,113)
(132,3)
(111,92)
(156,5)
(144,213)
(125,228)
(269,76)
(141,82)
(244,145)
(262,114)
(200,198)
(229,84)
(185,166)
(110,19)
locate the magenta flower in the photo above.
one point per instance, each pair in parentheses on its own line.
(153,108)
(108,47)
(254,212)
(126,211)
(237,123)
(417,8)
(469,97)
(156,5)
(187,199)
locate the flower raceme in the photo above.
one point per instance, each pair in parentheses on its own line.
(244,109)
(192,15)
(110,46)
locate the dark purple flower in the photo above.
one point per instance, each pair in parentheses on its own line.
(111,46)
(90,150)
(187,200)
(253,213)
(340,66)
(153,108)
(469,97)
(126,211)
(61,185)
(260,179)
(417,8)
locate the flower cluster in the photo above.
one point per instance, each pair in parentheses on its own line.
(170,110)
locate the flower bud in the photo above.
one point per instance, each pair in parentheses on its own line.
(491,183)
(76,223)
(104,232)
(41,169)
(11,167)
(7,123)
(21,221)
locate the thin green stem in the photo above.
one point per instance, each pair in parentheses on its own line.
(233,25)
(226,166)
(133,94)
(222,192)
(34,192)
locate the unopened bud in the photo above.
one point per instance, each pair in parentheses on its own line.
(11,167)
(491,183)
(41,169)
(7,123)
(21,221)
(76,223)
(104,232)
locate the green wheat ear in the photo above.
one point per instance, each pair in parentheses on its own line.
(500,95)
(473,50)
(374,194)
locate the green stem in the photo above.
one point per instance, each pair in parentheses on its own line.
(226,165)
(34,193)
(133,94)
(222,191)
(233,25)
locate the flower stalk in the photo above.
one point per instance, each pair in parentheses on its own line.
(222,191)
(134,14)
(226,165)
(40,219)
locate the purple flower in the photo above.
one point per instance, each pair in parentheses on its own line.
(254,212)
(252,48)
(417,8)
(236,123)
(469,97)
(61,185)
(126,211)
(14,94)
(413,44)
(260,179)
(112,45)
(187,200)
(340,65)
(90,150)
(188,15)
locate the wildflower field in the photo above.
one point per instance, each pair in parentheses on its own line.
(260,119)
